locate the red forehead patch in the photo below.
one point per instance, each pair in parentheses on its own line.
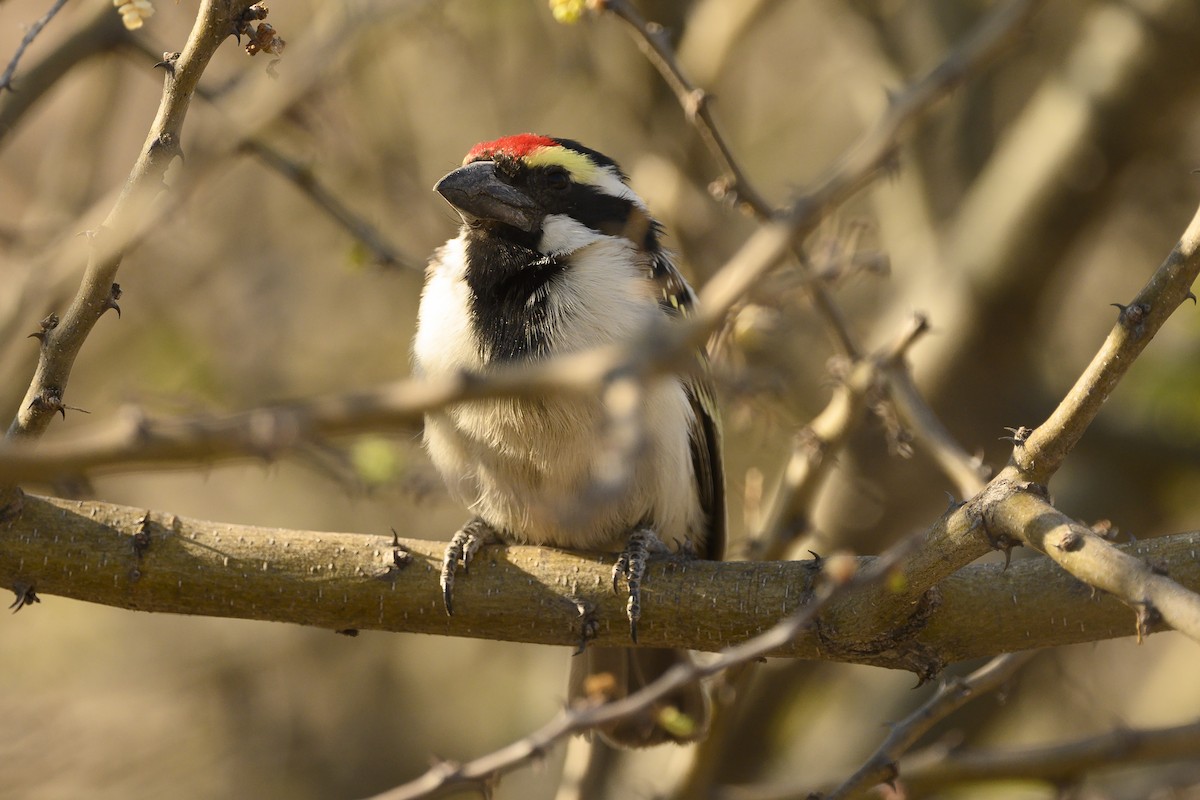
(517,146)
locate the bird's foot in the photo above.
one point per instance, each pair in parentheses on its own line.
(463,547)
(631,565)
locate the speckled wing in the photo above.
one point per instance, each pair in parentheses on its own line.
(677,299)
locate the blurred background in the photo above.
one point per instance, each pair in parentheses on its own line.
(1047,188)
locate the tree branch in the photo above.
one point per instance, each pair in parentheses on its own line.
(1039,456)
(817,446)
(936,769)
(1142,584)
(60,343)
(151,561)
(951,696)
(26,40)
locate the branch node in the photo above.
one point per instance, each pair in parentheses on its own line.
(168,63)
(1019,435)
(48,324)
(49,399)
(140,541)
(1132,316)
(1070,541)
(589,626)
(1147,618)
(697,99)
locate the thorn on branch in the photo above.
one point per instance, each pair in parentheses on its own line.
(401,558)
(141,539)
(697,99)
(25,596)
(1132,316)
(1190,296)
(114,295)
(48,324)
(891,771)
(1002,542)
(254,13)
(168,63)
(589,626)
(49,399)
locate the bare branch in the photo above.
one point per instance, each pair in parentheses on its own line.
(860,164)
(26,40)
(1040,455)
(935,769)
(59,347)
(152,561)
(100,32)
(817,445)
(951,696)
(325,199)
(1142,584)
(653,41)
(968,473)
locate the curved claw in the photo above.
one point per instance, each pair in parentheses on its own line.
(462,548)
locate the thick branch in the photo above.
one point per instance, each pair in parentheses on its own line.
(1141,583)
(131,558)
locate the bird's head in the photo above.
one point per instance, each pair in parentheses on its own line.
(553,195)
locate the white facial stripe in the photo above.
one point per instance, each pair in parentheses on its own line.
(562,234)
(609,182)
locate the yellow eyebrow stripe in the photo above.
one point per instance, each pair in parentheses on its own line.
(582,169)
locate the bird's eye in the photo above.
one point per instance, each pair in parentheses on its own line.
(557,179)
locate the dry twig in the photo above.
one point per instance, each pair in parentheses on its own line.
(26,40)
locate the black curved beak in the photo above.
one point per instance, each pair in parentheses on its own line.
(478,194)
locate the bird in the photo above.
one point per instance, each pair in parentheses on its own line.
(556,254)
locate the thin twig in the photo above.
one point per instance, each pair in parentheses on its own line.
(324,198)
(652,39)
(818,444)
(951,696)
(1038,455)
(967,472)
(935,769)
(26,40)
